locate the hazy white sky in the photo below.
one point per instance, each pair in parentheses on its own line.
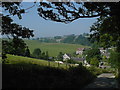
(46,28)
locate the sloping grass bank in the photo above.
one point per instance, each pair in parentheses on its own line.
(35,76)
(13,59)
(22,72)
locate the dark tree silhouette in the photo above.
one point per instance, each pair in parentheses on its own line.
(27,52)
(15,46)
(66,11)
(12,29)
(37,53)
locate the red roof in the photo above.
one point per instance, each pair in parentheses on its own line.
(80,49)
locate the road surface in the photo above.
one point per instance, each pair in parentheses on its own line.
(105,80)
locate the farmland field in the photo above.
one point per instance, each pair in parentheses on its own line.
(53,48)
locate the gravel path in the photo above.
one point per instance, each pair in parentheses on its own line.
(105,80)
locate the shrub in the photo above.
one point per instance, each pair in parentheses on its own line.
(94,61)
(37,53)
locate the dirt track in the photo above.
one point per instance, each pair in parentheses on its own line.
(105,80)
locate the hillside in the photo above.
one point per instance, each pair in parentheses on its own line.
(22,72)
(13,59)
(53,48)
(81,39)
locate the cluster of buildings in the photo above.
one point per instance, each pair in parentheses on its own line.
(79,51)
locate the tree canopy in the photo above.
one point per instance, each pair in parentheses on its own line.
(15,46)
(66,11)
(92,53)
(106,31)
(12,29)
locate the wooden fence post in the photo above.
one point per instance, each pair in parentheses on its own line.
(66,65)
(58,64)
(48,63)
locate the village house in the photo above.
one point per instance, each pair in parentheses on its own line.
(66,57)
(102,65)
(102,50)
(80,51)
(85,63)
(58,40)
(78,59)
(105,52)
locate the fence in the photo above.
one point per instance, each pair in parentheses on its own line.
(59,65)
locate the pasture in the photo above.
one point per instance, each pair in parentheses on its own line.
(53,48)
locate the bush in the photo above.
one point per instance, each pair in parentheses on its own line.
(94,61)
(37,53)
(96,71)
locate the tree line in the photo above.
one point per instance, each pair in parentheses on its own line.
(82,39)
(37,53)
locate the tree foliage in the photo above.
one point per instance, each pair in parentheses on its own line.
(12,29)
(106,31)
(92,53)
(15,46)
(69,11)
(81,39)
(69,39)
(115,59)
(27,52)
(60,56)
(13,8)
(94,61)
(66,11)
(37,53)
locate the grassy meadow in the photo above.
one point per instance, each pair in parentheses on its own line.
(12,59)
(53,48)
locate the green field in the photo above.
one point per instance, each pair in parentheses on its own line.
(13,59)
(53,48)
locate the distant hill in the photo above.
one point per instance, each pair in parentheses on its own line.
(71,39)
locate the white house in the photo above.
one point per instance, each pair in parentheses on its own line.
(105,52)
(102,50)
(66,57)
(86,63)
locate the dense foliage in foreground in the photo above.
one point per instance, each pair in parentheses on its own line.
(24,75)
